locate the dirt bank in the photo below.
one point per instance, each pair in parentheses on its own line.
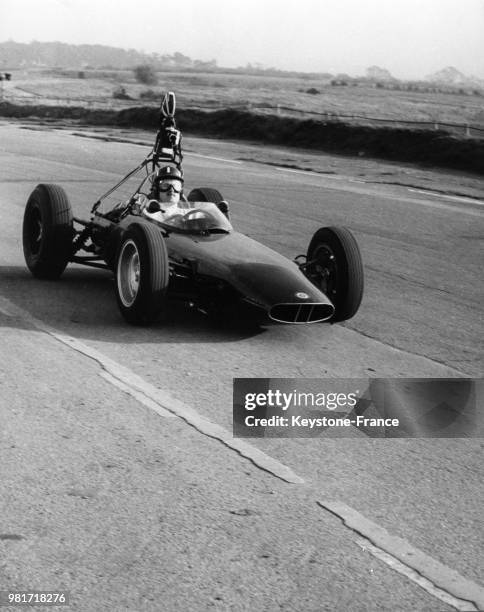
(429,148)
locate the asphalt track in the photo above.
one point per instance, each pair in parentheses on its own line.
(421,317)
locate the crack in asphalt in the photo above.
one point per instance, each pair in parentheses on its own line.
(408,279)
(406,351)
(412,281)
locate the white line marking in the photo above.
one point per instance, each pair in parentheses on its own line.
(432,193)
(454,208)
(448,197)
(437,573)
(401,568)
(307,173)
(140,397)
(424,191)
(466,200)
(229,161)
(128,140)
(439,205)
(161,399)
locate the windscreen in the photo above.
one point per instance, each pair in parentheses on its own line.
(200,218)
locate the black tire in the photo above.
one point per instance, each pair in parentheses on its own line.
(47,231)
(336,268)
(142,274)
(205,194)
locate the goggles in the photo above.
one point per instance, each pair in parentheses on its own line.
(164,187)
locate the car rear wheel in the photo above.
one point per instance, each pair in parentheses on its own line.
(47,231)
(142,274)
(207,194)
(335,266)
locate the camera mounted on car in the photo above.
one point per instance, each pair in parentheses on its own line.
(168,139)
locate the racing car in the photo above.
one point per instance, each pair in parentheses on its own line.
(196,257)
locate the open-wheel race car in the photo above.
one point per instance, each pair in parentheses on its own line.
(195,256)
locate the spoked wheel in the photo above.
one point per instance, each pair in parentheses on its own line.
(47,231)
(142,274)
(334,265)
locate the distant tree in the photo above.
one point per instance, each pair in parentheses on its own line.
(144,73)
(201,65)
(149,94)
(181,60)
(120,94)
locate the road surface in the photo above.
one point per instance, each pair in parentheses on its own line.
(112,497)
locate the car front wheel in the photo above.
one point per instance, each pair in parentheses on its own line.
(334,265)
(142,274)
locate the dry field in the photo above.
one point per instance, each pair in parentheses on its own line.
(222,90)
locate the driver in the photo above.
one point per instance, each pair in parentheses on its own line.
(165,196)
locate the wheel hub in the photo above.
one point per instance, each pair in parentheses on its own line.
(128,273)
(35,232)
(324,272)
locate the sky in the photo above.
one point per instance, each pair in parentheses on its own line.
(410,38)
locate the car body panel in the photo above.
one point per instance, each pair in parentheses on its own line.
(256,271)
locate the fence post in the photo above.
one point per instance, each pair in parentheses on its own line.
(436,125)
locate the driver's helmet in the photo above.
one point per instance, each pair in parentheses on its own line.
(167,173)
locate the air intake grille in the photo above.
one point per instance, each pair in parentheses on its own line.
(301,313)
